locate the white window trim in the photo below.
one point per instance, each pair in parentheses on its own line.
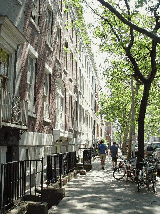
(19,2)
(32,52)
(50,6)
(31,19)
(59,92)
(48,71)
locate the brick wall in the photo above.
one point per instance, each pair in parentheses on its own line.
(47,55)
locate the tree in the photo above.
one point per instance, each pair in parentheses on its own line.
(117,105)
(133,35)
(141,47)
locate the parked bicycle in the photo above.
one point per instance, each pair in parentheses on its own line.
(147,175)
(125,168)
(144,176)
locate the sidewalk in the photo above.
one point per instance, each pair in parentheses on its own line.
(98,192)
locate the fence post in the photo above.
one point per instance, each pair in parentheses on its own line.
(60,168)
(42,178)
(49,169)
(1,189)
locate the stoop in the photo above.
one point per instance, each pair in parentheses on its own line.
(37,208)
(52,195)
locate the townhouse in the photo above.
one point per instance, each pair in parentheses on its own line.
(49,88)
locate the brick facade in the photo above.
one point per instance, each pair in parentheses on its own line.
(61,90)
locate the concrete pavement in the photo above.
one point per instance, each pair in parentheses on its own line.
(98,192)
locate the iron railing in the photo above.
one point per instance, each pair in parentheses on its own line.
(18,178)
(59,165)
(13,110)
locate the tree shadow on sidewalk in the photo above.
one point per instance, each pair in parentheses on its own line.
(98,192)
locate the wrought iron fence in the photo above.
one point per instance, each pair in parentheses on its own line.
(59,165)
(17,178)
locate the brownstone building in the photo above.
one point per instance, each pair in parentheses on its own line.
(48,82)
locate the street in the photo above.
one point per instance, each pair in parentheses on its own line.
(98,192)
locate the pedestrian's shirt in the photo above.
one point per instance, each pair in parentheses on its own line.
(114,150)
(102,149)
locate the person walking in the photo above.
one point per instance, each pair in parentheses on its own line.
(102,152)
(114,154)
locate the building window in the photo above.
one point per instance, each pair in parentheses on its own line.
(49,26)
(70,111)
(60,105)
(4,65)
(46,96)
(72,29)
(67,14)
(31,83)
(48,71)
(35,11)
(60,5)
(31,79)
(58,43)
(66,55)
(71,64)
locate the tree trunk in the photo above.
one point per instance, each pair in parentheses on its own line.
(130,142)
(141,118)
(124,145)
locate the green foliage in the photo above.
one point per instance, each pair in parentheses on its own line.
(115,37)
(79,22)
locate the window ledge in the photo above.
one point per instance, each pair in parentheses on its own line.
(19,2)
(65,71)
(49,46)
(36,26)
(31,114)
(47,120)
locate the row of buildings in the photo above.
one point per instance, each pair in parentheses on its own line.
(49,88)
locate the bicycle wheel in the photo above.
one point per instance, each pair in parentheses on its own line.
(154,182)
(140,180)
(139,185)
(119,173)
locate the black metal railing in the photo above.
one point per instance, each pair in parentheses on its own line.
(18,178)
(59,165)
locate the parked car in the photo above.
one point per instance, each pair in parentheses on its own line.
(155,145)
(150,148)
(156,155)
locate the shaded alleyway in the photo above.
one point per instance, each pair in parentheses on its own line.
(99,193)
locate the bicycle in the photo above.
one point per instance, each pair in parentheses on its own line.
(127,168)
(147,175)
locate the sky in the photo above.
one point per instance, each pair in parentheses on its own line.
(90,17)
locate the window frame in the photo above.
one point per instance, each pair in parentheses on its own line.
(48,72)
(49,24)
(4,75)
(36,10)
(32,54)
(60,109)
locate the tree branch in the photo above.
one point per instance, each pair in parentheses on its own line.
(126,22)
